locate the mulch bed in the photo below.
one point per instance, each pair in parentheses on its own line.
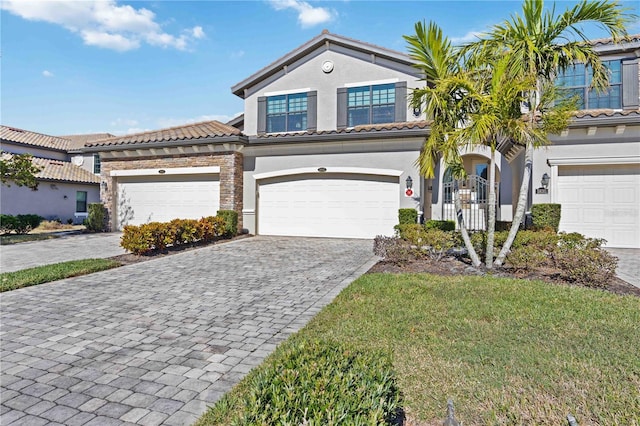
(453,266)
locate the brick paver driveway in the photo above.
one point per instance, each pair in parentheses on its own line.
(156,342)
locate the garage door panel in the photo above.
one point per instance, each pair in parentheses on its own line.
(601,202)
(144,199)
(344,205)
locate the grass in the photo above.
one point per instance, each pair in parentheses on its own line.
(54,272)
(507,351)
(23,238)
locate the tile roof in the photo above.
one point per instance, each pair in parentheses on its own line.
(596,113)
(369,128)
(195,131)
(63,171)
(604,41)
(78,141)
(13,134)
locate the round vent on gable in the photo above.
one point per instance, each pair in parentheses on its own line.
(327,66)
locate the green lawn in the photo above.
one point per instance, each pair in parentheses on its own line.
(57,271)
(507,351)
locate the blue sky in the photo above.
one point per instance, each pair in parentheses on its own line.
(73,66)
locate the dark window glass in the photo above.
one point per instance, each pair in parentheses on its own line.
(96,164)
(576,81)
(287,113)
(81,201)
(371,104)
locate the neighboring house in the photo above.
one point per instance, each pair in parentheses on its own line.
(327,147)
(64,189)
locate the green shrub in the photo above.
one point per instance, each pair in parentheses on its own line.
(231,221)
(27,222)
(546,216)
(96,220)
(392,249)
(407,216)
(322,383)
(526,258)
(443,225)
(159,234)
(8,223)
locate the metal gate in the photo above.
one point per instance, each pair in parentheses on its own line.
(474,197)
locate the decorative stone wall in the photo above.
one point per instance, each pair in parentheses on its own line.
(230,164)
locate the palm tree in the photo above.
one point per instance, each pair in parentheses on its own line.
(537,45)
(444,100)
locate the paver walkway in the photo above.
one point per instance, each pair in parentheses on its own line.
(73,247)
(156,342)
(628,264)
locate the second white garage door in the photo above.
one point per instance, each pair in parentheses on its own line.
(143,199)
(601,202)
(334,205)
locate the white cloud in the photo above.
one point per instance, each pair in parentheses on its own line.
(103,23)
(308,16)
(46,73)
(468,37)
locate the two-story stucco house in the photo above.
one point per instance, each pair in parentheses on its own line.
(327,147)
(68,180)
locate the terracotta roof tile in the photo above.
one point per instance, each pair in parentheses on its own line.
(13,134)
(205,129)
(593,113)
(369,128)
(63,171)
(78,141)
(603,41)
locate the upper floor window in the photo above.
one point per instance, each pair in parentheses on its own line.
(287,113)
(96,164)
(577,79)
(373,104)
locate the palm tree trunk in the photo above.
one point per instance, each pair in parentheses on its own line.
(522,203)
(475,260)
(491,222)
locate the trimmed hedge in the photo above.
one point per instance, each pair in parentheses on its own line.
(443,225)
(407,216)
(160,235)
(231,219)
(20,224)
(546,216)
(321,383)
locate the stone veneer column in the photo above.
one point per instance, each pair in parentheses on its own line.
(231,174)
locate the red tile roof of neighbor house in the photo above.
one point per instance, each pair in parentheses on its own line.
(195,131)
(13,134)
(62,171)
(78,141)
(594,113)
(600,41)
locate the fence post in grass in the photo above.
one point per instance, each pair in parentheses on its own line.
(450,420)
(572,421)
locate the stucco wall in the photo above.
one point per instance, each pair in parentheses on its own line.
(48,201)
(383,154)
(307,74)
(35,151)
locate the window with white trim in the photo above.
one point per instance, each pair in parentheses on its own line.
(81,201)
(287,113)
(373,104)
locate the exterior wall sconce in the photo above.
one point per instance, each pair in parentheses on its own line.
(104,185)
(409,182)
(545,181)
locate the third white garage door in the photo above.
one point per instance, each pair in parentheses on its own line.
(143,199)
(331,205)
(601,201)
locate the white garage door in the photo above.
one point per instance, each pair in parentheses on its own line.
(336,205)
(602,202)
(143,199)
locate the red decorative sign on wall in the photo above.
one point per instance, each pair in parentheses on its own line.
(408,192)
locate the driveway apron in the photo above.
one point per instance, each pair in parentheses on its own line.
(71,247)
(159,341)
